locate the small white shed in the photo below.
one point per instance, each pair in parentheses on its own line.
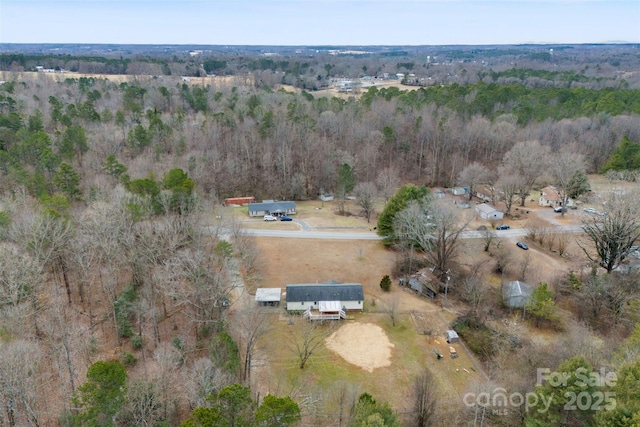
(452,336)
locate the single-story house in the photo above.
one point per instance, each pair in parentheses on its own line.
(268,296)
(516,294)
(488,212)
(239,201)
(345,296)
(271,207)
(550,196)
(485,193)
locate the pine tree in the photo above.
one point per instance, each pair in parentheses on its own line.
(385,283)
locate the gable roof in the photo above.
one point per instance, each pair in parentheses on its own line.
(325,292)
(486,208)
(550,193)
(272,206)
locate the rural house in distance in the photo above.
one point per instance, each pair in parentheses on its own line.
(271,207)
(549,196)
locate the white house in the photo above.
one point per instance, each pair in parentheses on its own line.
(550,196)
(272,207)
(488,212)
(325,296)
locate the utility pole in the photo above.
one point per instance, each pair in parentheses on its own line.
(446,289)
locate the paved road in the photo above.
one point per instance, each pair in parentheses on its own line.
(336,235)
(308,232)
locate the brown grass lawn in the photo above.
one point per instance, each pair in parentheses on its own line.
(319,385)
(366,262)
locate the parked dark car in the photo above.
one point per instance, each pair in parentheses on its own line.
(286,218)
(559,209)
(503,227)
(522,245)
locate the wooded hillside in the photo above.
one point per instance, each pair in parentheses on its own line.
(106,188)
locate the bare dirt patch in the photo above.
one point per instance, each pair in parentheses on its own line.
(362,344)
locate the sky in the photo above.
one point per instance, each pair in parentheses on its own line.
(320,22)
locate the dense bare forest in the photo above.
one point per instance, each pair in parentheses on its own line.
(107,186)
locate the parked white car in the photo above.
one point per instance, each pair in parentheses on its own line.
(270,218)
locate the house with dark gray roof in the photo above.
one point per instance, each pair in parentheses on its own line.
(345,296)
(271,207)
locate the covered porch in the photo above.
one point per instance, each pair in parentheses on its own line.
(327,310)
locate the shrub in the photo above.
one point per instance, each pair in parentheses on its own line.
(136,342)
(128,359)
(385,283)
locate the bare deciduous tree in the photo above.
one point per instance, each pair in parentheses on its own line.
(473,175)
(202,379)
(307,337)
(488,237)
(433,228)
(19,362)
(425,396)
(446,242)
(473,291)
(392,306)
(563,166)
(365,193)
(144,405)
(197,279)
(527,160)
(388,182)
(509,185)
(252,324)
(609,237)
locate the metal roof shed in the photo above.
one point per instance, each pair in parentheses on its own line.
(516,294)
(268,296)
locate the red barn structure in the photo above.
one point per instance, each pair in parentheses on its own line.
(239,201)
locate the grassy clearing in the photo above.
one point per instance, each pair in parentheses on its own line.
(326,372)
